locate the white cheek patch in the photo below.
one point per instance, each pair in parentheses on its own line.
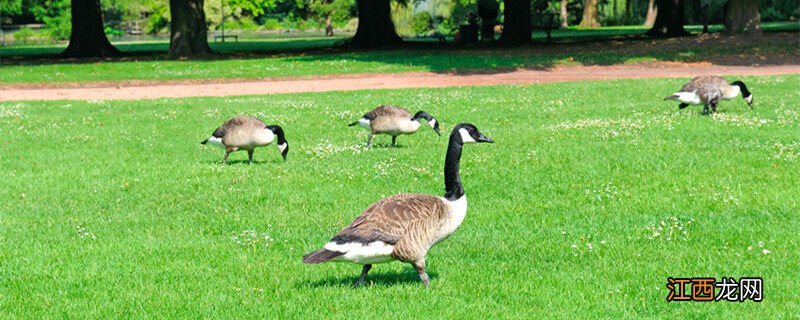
(749,99)
(216,141)
(432,123)
(282,147)
(465,137)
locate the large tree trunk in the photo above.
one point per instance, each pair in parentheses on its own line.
(652,11)
(742,16)
(628,8)
(517,24)
(564,14)
(188,30)
(590,15)
(669,20)
(375,26)
(88,38)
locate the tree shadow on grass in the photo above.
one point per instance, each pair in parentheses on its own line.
(382,279)
(493,58)
(779,48)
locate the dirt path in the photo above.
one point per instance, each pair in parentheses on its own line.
(132,91)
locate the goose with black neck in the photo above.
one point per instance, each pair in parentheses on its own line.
(404,227)
(247,133)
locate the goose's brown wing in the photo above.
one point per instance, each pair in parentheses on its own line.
(391,218)
(237,122)
(701,82)
(387,111)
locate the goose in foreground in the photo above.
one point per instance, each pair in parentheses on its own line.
(708,91)
(246,133)
(403,227)
(394,121)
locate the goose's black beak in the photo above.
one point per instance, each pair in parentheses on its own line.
(437,131)
(483,138)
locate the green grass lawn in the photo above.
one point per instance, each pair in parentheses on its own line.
(276,58)
(150,48)
(114,209)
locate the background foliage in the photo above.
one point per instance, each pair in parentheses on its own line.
(410,16)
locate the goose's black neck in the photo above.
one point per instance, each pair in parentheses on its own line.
(422,115)
(452,180)
(743,88)
(279,133)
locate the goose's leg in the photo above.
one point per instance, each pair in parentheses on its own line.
(420,266)
(394,140)
(227,153)
(250,155)
(369,140)
(363,276)
(705,108)
(714,107)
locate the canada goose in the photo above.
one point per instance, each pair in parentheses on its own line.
(403,227)
(246,133)
(394,121)
(709,90)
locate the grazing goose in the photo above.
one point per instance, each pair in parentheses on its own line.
(709,90)
(394,121)
(403,227)
(246,133)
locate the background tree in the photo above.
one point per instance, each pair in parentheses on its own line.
(590,15)
(88,38)
(517,24)
(669,20)
(487,11)
(375,26)
(330,11)
(188,30)
(10,8)
(652,12)
(564,14)
(742,16)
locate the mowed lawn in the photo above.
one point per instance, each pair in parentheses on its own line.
(593,194)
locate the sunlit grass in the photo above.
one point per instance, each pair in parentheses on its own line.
(593,194)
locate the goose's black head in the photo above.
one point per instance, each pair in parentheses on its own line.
(282,145)
(431,120)
(746,95)
(468,133)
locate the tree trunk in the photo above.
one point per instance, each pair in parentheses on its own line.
(614,10)
(188,30)
(88,38)
(517,25)
(590,15)
(328,26)
(564,15)
(742,16)
(375,26)
(669,20)
(652,11)
(628,8)
(705,7)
